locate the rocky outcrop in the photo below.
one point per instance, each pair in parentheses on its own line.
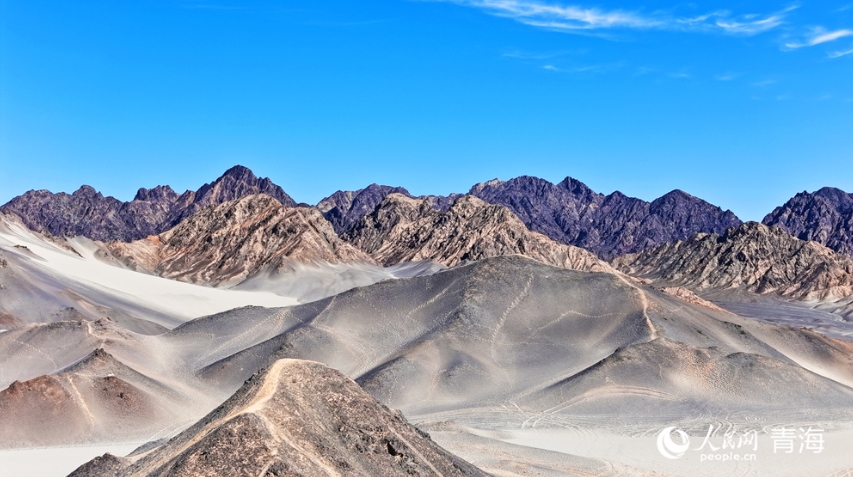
(572,213)
(402,229)
(825,216)
(294,418)
(753,257)
(344,208)
(228,242)
(88,213)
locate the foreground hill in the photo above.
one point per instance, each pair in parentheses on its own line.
(402,229)
(88,213)
(228,242)
(824,216)
(752,257)
(294,418)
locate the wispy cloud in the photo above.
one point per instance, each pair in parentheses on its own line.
(839,54)
(751,24)
(550,68)
(818,36)
(577,19)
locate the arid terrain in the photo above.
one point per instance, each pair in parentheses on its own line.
(231,331)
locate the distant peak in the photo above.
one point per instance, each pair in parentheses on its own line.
(677,194)
(482,185)
(574,186)
(86,191)
(158,192)
(238,171)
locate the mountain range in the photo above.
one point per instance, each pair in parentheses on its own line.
(232,328)
(568,212)
(88,213)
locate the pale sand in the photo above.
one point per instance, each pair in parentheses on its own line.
(54,461)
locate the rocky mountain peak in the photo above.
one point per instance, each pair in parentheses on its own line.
(294,418)
(160,193)
(577,188)
(343,208)
(403,229)
(825,216)
(88,192)
(752,257)
(88,213)
(237,182)
(226,243)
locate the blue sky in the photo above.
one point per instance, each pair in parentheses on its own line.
(740,105)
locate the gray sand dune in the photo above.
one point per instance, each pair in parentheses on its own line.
(502,344)
(469,337)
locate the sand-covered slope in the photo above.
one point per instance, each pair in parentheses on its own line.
(752,257)
(47,279)
(294,418)
(229,242)
(493,332)
(402,229)
(503,342)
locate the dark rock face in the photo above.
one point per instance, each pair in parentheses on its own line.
(572,213)
(295,418)
(344,208)
(87,212)
(753,257)
(825,216)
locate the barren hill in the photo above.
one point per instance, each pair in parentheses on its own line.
(294,418)
(403,229)
(752,257)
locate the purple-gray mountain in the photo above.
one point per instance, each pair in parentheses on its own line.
(568,212)
(609,225)
(344,208)
(825,216)
(86,212)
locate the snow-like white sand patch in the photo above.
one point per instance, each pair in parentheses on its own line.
(122,288)
(54,461)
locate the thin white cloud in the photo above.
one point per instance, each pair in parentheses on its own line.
(750,27)
(839,54)
(537,13)
(550,68)
(818,36)
(578,19)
